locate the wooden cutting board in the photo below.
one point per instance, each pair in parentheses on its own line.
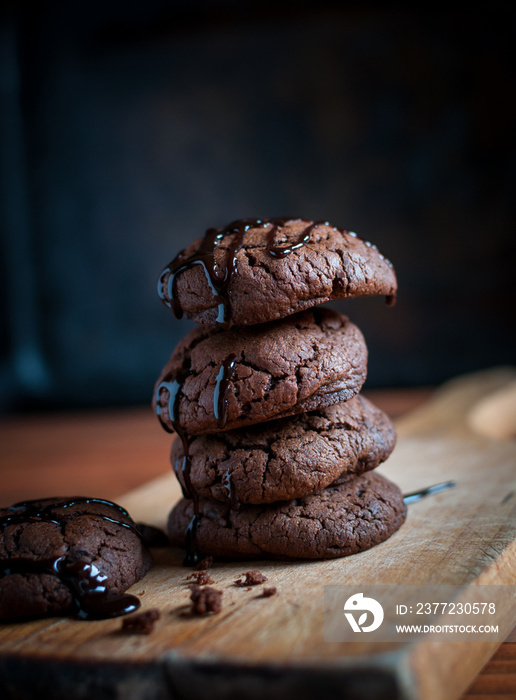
(274,647)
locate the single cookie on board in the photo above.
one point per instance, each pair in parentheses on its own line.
(338,521)
(254,271)
(288,458)
(69,555)
(220,380)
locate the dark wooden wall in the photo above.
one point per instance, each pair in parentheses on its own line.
(127,129)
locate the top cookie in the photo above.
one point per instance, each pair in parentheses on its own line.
(258,270)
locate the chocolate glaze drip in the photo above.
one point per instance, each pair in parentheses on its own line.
(205,256)
(302,239)
(193,556)
(173,383)
(220,395)
(228,484)
(91,598)
(419,495)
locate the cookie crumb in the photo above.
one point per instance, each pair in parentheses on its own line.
(205,563)
(141,623)
(205,600)
(267,592)
(252,578)
(202,578)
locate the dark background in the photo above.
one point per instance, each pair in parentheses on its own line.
(127,129)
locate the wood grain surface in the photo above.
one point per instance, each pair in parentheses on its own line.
(274,646)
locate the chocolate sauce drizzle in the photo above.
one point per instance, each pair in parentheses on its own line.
(221,393)
(36,511)
(86,583)
(303,238)
(228,484)
(173,384)
(423,493)
(193,556)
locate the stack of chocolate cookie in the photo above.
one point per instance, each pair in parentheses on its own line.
(275,446)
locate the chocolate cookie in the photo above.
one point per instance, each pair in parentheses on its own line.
(69,555)
(289,458)
(254,271)
(338,521)
(220,380)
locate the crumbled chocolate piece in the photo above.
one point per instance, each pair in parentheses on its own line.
(202,578)
(152,536)
(205,600)
(252,578)
(267,592)
(141,623)
(205,563)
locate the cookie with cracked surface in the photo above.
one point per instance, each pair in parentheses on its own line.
(69,555)
(254,271)
(288,458)
(224,379)
(340,520)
